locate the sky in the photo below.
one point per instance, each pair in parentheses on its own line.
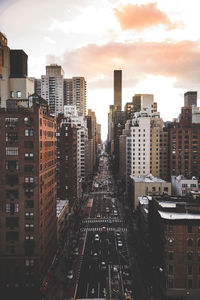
(156,44)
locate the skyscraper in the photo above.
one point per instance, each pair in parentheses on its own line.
(118,89)
(190,98)
(52,88)
(79,94)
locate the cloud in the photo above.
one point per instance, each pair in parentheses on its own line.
(179,60)
(141,17)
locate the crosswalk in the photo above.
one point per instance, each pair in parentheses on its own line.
(123,229)
(94,220)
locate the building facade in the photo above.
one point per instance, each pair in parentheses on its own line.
(52,88)
(28,193)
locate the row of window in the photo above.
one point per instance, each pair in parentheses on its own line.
(189,242)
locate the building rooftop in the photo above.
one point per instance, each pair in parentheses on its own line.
(148,178)
(178,216)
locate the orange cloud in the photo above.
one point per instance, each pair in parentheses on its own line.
(140,17)
(180,60)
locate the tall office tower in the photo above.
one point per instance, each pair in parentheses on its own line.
(79,94)
(184,143)
(14,82)
(66,160)
(190,98)
(52,88)
(28,194)
(98,134)
(118,89)
(68,91)
(82,144)
(92,136)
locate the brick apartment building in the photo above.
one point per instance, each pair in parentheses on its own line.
(28,193)
(175,238)
(184,143)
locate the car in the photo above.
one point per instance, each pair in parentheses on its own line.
(95,256)
(115,214)
(75,252)
(70,274)
(126,274)
(107,209)
(110,221)
(118,233)
(104,229)
(103,266)
(119,243)
(98,216)
(96,237)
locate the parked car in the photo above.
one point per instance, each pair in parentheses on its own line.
(70,274)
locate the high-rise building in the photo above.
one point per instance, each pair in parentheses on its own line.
(66,160)
(28,193)
(184,143)
(52,88)
(190,98)
(118,89)
(82,144)
(79,94)
(68,91)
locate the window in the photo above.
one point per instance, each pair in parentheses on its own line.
(189,228)
(12,151)
(28,192)
(29,204)
(170,283)
(198,242)
(189,269)
(28,168)
(189,255)
(29,237)
(11,137)
(171,255)
(19,94)
(29,262)
(170,228)
(28,144)
(12,94)
(29,215)
(189,283)
(12,179)
(28,156)
(29,227)
(12,236)
(28,132)
(12,165)
(171,269)
(28,179)
(189,242)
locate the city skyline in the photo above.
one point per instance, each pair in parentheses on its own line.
(129,32)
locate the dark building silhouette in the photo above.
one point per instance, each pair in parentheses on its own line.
(118,89)
(66,160)
(18,64)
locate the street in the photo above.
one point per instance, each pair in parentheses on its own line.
(98,266)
